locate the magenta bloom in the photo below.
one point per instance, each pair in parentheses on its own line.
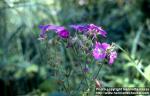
(112,57)
(80,28)
(102,51)
(90,28)
(98,30)
(99,51)
(61,31)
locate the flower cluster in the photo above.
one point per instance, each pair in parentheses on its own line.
(101,51)
(90,29)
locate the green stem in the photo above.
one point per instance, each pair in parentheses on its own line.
(66,89)
(98,71)
(68,86)
(133,61)
(81,68)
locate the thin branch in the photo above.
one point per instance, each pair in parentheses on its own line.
(98,71)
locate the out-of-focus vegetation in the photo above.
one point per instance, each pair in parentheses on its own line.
(27,66)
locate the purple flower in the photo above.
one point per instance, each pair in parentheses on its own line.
(97,30)
(61,31)
(112,57)
(86,69)
(104,50)
(99,51)
(43,31)
(80,28)
(90,28)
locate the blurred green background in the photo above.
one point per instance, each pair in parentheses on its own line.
(25,61)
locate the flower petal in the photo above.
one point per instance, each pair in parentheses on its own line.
(99,52)
(112,57)
(80,28)
(62,32)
